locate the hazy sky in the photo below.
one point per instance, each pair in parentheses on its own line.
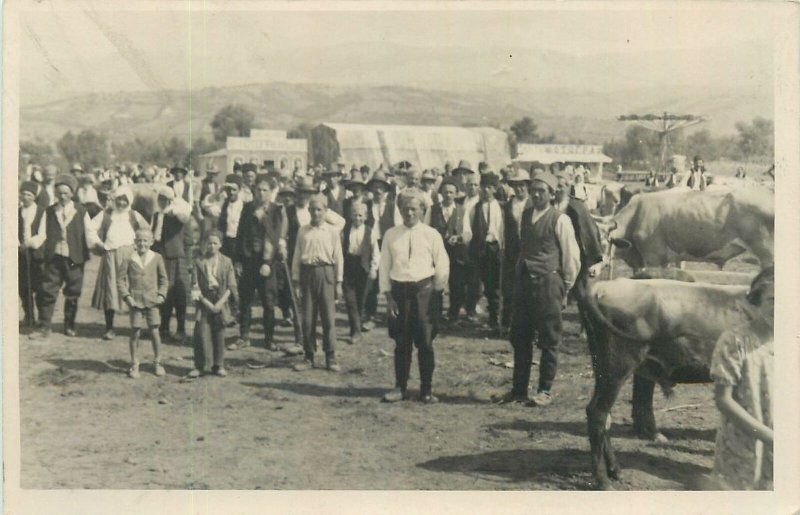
(98,51)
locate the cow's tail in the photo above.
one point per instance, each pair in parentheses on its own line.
(597,317)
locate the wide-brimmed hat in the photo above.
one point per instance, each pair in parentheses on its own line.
(356,180)
(305,184)
(518,175)
(76,167)
(379,178)
(286,190)
(463,167)
(178,169)
(428,175)
(249,167)
(333,170)
(67,180)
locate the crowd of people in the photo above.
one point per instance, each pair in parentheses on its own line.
(298,241)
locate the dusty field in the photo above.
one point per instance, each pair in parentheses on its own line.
(84,424)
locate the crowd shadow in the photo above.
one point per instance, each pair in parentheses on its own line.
(623,431)
(561,466)
(318,390)
(114,366)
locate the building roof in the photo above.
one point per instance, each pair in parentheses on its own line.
(424,146)
(217,153)
(266,143)
(556,153)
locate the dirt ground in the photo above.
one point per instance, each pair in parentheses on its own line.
(84,424)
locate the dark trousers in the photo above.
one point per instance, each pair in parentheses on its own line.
(30,283)
(228,247)
(356,284)
(472,285)
(489,266)
(457,284)
(507,290)
(284,293)
(537,310)
(266,287)
(209,337)
(61,272)
(177,294)
(415,325)
(318,287)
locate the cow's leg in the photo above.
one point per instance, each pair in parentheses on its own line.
(644,421)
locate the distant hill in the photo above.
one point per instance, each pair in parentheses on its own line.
(571,113)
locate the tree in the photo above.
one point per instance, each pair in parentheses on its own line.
(87,148)
(302,131)
(756,139)
(200,146)
(525,130)
(37,152)
(701,143)
(232,120)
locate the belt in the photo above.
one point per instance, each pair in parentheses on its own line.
(421,282)
(316,265)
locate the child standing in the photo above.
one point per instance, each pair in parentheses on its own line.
(142,282)
(360,265)
(216,282)
(742,369)
(317,265)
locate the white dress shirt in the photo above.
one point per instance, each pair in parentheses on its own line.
(493,214)
(410,254)
(234,214)
(28,214)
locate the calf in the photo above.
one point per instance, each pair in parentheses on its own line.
(662,330)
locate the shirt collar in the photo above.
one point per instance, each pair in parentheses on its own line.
(148,256)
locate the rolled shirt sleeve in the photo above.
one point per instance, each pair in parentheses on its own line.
(570,252)
(441,262)
(338,257)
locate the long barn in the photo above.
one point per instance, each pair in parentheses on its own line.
(423,146)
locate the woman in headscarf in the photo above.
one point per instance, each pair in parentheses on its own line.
(112,239)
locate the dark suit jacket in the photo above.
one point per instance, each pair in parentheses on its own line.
(452,227)
(511,230)
(226,279)
(143,284)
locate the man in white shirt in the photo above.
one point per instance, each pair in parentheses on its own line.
(472,185)
(228,222)
(31,237)
(413,271)
(484,235)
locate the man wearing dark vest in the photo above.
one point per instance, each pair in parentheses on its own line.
(47,189)
(228,222)
(472,187)
(334,191)
(31,236)
(547,267)
(483,234)
(447,217)
(261,241)
(168,224)
(382,215)
(179,185)
(66,226)
(519,181)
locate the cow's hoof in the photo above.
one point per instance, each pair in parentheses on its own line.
(603,485)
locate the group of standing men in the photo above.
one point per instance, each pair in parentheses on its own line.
(519,240)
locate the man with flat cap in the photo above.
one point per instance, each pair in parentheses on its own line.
(67,227)
(547,267)
(413,271)
(168,225)
(484,235)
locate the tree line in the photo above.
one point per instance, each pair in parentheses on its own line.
(640,148)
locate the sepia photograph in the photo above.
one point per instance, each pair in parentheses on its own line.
(367,246)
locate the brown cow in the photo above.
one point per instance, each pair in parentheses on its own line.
(715,225)
(662,330)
